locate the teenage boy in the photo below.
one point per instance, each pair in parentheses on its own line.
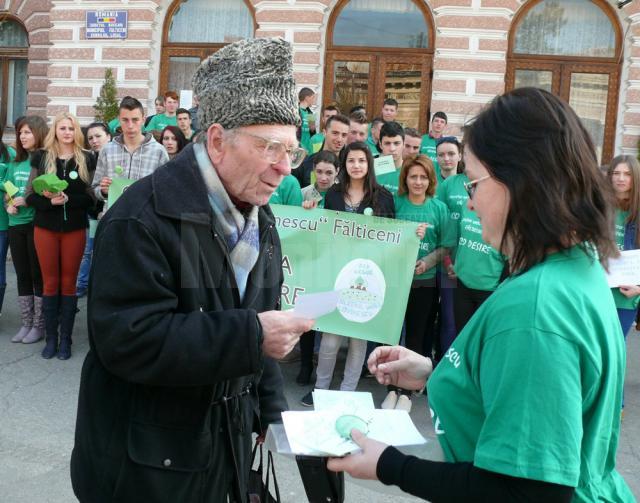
(184,123)
(438,125)
(336,134)
(135,152)
(392,143)
(389,110)
(357,127)
(412,140)
(318,139)
(306,99)
(168,118)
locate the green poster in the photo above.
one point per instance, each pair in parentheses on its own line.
(366,263)
(117,187)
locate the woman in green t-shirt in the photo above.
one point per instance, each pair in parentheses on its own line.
(624,175)
(526,402)
(415,202)
(31,132)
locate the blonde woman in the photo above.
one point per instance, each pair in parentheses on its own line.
(60,224)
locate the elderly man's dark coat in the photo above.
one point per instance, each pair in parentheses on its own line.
(175,380)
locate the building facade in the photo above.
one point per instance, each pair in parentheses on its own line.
(449,55)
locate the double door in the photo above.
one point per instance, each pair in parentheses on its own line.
(590,88)
(357,78)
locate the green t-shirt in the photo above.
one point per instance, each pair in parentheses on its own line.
(114,124)
(532,387)
(439,233)
(372,147)
(288,192)
(621,301)
(390,181)
(18,174)
(477,264)
(4,164)
(160,121)
(305,134)
(316,142)
(452,193)
(428,147)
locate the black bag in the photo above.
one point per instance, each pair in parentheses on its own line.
(258,486)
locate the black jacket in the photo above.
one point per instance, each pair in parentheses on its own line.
(73,214)
(169,341)
(381,202)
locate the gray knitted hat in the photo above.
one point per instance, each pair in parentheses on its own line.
(247,82)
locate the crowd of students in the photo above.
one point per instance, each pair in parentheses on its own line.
(456,271)
(50,235)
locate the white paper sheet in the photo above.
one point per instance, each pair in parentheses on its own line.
(314,433)
(314,305)
(384,164)
(624,270)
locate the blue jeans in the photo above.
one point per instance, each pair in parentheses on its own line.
(626,317)
(4,246)
(85,265)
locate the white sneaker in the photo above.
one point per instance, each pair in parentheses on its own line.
(390,401)
(403,403)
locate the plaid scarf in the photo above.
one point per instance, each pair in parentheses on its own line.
(241,234)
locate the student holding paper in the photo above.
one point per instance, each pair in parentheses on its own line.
(624,175)
(32,131)
(60,226)
(357,192)
(526,403)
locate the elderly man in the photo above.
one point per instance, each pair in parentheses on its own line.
(183,314)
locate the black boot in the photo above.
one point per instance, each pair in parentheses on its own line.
(68,309)
(50,311)
(307,341)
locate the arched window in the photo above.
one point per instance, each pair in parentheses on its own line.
(571,48)
(379,49)
(14,44)
(195,29)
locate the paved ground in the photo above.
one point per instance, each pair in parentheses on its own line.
(38,406)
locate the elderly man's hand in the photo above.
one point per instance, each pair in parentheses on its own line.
(280,331)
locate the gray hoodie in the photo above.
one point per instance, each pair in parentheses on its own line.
(135,165)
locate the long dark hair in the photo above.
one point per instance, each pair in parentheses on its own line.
(535,145)
(180,138)
(632,205)
(371,185)
(38,128)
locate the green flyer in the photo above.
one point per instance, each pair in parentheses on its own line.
(117,187)
(366,263)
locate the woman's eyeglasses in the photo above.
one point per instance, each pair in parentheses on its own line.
(471,187)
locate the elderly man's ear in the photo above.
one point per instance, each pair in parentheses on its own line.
(215,134)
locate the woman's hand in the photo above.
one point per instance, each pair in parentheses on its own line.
(420,231)
(421,267)
(309,205)
(451,272)
(360,465)
(12,210)
(398,366)
(19,201)
(59,199)
(630,291)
